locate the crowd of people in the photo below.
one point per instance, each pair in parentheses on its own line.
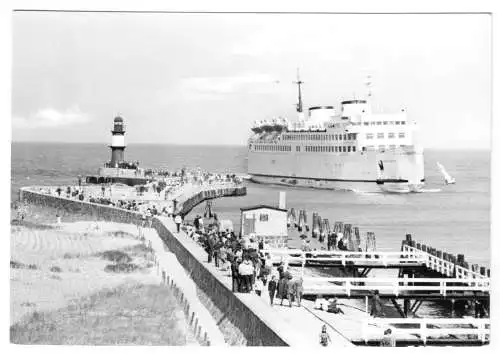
(251,271)
(166,190)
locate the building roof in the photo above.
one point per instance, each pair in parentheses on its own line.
(262,206)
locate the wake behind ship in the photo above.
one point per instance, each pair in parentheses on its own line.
(353,148)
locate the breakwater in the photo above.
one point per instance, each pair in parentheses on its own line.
(251,321)
(206,194)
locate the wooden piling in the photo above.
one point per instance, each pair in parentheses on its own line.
(348,235)
(301,220)
(294,218)
(326,223)
(371,244)
(313,225)
(357,238)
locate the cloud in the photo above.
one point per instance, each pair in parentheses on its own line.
(51,118)
(213,86)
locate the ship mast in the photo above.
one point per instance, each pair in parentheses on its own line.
(299,83)
(368,83)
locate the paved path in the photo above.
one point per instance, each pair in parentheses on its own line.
(297,326)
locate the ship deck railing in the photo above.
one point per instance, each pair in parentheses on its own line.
(395,287)
(427,330)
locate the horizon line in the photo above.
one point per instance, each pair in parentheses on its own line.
(218,145)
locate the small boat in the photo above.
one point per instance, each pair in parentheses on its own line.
(447,178)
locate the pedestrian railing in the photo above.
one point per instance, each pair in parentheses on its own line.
(444,267)
(344,286)
(426,328)
(296,256)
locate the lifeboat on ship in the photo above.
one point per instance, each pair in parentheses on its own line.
(257,128)
(275,125)
(266,126)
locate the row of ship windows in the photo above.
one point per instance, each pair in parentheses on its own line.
(330,148)
(382,147)
(273,148)
(370,136)
(368,123)
(336,137)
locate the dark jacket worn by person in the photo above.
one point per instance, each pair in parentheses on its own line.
(271,287)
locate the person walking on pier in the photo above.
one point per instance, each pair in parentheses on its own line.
(210,247)
(282,289)
(246,271)
(236,278)
(332,241)
(376,306)
(290,288)
(271,288)
(324,337)
(178,221)
(258,286)
(217,247)
(298,289)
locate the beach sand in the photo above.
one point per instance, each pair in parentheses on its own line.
(54,268)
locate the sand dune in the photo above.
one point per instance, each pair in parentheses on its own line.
(72,249)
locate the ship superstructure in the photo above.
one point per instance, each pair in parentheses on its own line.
(330,148)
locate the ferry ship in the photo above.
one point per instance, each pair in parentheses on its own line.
(352,148)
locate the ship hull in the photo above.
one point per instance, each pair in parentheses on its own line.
(398,171)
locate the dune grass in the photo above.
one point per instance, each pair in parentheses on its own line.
(127,315)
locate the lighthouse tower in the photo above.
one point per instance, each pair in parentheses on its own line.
(117,143)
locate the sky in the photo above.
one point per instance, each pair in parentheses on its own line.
(205,78)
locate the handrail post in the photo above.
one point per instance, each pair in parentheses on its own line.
(342,259)
(482,327)
(423,332)
(364,333)
(348,287)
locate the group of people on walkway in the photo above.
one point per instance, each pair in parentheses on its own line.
(250,270)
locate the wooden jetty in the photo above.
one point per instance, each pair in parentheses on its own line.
(427,331)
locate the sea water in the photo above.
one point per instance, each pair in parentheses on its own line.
(453,218)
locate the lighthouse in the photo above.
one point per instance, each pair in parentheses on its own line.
(117,143)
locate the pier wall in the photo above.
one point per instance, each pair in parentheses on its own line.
(256,331)
(252,324)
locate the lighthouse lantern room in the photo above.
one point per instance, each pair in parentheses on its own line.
(117,143)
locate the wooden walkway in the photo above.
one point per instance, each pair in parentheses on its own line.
(296,257)
(429,288)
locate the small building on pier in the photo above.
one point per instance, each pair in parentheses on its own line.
(265,222)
